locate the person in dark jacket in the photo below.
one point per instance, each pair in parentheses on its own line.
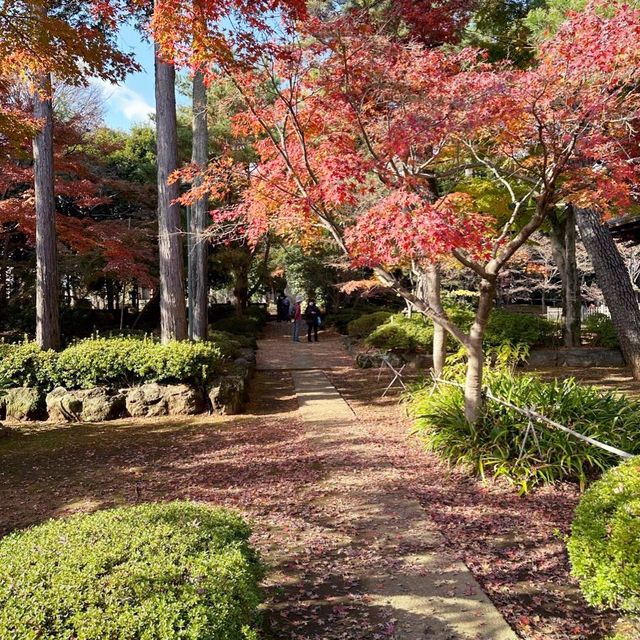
(312,316)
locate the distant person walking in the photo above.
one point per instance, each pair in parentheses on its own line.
(282,305)
(296,318)
(312,316)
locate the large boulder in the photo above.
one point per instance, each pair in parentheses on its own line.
(63,405)
(183,400)
(228,393)
(101,403)
(24,403)
(146,401)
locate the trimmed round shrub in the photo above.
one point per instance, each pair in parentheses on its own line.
(498,444)
(365,325)
(155,571)
(26,365)
(604,546)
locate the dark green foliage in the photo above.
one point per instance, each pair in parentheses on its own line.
(493,445)
(341,319)
(240,325)
(127,361)
(601,331)
(259,313)
(155,571)
(604,546)
(506,327)
(228,344)
(365,325)
(116,361)
(413,334)
(26,365)
(402,334)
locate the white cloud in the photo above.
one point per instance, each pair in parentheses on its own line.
(120,98)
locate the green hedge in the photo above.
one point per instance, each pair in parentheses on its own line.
(26,365)
(364,325)
(155,571)
(402,334)
(240,325)
(415,334)
(493,445)
(118,361)
(507,327)
(604,546)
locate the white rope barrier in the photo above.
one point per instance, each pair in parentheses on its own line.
(538,417)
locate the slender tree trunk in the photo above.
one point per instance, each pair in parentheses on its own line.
(475,353)
(173,324)
(200,246)
(47,286)
(433,291)
(563,246)
(613,278)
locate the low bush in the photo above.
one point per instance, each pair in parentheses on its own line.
(26,365)
(229,344)
(238,325)
(117,361)
(601,331)
(365,325)
(175,570)
(259,312)
(340,319)
(507,327)
(604,545)
(127,361)
(498,444)
(402,334)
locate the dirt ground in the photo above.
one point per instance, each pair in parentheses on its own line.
(261,464)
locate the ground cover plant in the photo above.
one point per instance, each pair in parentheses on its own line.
(500,445)
(415,333)
(604,545)
(115,361)
(174,570)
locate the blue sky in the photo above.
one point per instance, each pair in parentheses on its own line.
(133,101)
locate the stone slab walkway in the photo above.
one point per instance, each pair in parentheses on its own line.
(425,592)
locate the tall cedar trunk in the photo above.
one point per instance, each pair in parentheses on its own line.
(433,282)
(475,353)
(47,312)
(200,248)
(173,324)
(614,281)
(563,246)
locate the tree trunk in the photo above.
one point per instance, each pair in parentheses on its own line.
(475,353)
(563,246)
(200,247)
(433,289)
(47,312)
(613,278)
(173,325)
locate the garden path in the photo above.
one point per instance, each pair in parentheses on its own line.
(421,590)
